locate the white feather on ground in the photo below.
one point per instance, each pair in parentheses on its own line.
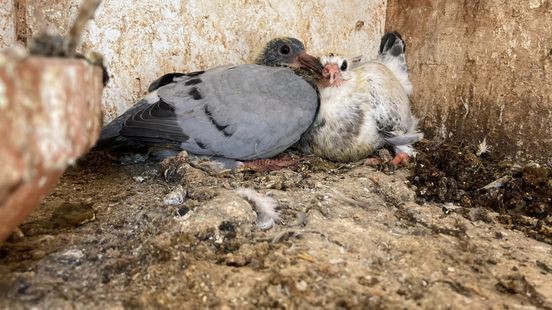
(264,206)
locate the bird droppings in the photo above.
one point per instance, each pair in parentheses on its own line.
(175,197)
(521,193)
(348,236)
(71,256)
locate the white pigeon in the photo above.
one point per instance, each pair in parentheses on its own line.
(241,112)
(364,108)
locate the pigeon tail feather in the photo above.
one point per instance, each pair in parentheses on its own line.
(405,139)
(110,135)
(392,55)
(402,140)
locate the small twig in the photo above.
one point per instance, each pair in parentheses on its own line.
(86,13)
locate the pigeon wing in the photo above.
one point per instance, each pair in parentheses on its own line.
(241,112)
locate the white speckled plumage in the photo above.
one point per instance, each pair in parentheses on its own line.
(365,108)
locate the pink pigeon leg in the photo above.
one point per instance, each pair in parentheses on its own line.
(401,158)
(373,161)
(272,164)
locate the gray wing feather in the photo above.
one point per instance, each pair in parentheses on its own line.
(242,112)
(111,133)
(154,124)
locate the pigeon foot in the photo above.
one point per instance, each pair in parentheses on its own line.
(401,158)
(373,161)
(273,164)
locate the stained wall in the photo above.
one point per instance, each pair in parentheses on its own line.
(481,69)
(143,39)
(7,23)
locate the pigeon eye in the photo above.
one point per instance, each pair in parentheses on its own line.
(285,49)
(344,65)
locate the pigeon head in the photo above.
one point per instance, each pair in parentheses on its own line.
(287,52)
(336,70)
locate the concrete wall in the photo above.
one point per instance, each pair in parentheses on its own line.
(481,69)
(143,39)
(7,23)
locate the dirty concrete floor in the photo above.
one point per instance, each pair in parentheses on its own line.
(351,236)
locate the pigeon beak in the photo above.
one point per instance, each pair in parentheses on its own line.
(332,73)
(305,60)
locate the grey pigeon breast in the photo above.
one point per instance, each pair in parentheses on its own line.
(241,112)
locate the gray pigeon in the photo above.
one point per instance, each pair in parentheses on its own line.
(241,112)
(364,108)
